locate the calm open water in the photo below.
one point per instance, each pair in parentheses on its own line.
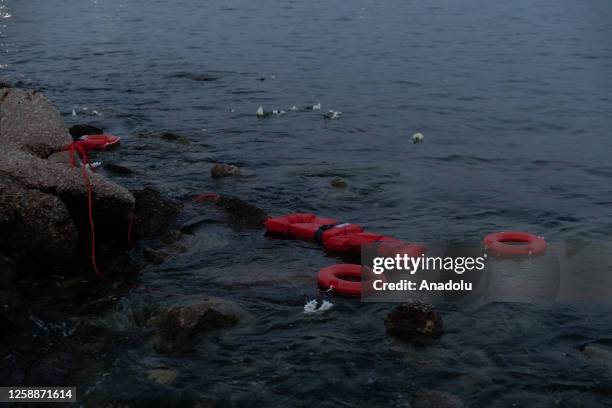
(514,100)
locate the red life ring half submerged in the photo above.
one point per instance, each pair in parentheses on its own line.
(513,243)
(346,279)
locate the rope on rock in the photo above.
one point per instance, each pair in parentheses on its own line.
(82,152)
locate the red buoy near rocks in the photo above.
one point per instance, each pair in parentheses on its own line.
(345,279)
(99,142)
(514,243)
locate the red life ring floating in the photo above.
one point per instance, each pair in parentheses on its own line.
(345,279)
(514,243)
(98,142)
(309,226)
(355,240)
(280,225)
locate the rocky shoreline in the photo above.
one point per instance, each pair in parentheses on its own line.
(53,307)
(50,297)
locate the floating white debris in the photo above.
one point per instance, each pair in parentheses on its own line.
(293,108)
(74,112)
(311,306)
(325,305)
(278,112)
(333,114)
(316,106)
(417,138)
(260,112)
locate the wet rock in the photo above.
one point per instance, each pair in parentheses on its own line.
(242,212)
(169,136)
(31,129)
(35,227)
(50,369)
(162,376)
(117,169)
(178,326)
(7,273)
(5,83)
(154,256)
(203,77)
(173,137)
(77,131)
(64,158)
(599,353)
(338,183)
(172,237)
(435,399)
(29,122)
(154,212)
(416,322)
(9,297)
(224,170)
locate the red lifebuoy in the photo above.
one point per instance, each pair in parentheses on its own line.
(309,226)
(513,243)
(345,279)
(355,240)
(99,142)
(280,225)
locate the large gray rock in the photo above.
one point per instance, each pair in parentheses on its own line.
(177,326)
(33,223)
(28,121)
(39,196)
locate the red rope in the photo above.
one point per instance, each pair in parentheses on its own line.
(84,162)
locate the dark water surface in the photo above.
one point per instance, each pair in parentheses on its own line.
(514,99)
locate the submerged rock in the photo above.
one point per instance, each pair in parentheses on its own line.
(338,183)
(5,83)
(155,256)
(154,212)
(224,170)
(435,399)
(599,353)
(162,376)
(177,326)
(82,130)
(173,137)
(117,169)
(416,322)
(242,212)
